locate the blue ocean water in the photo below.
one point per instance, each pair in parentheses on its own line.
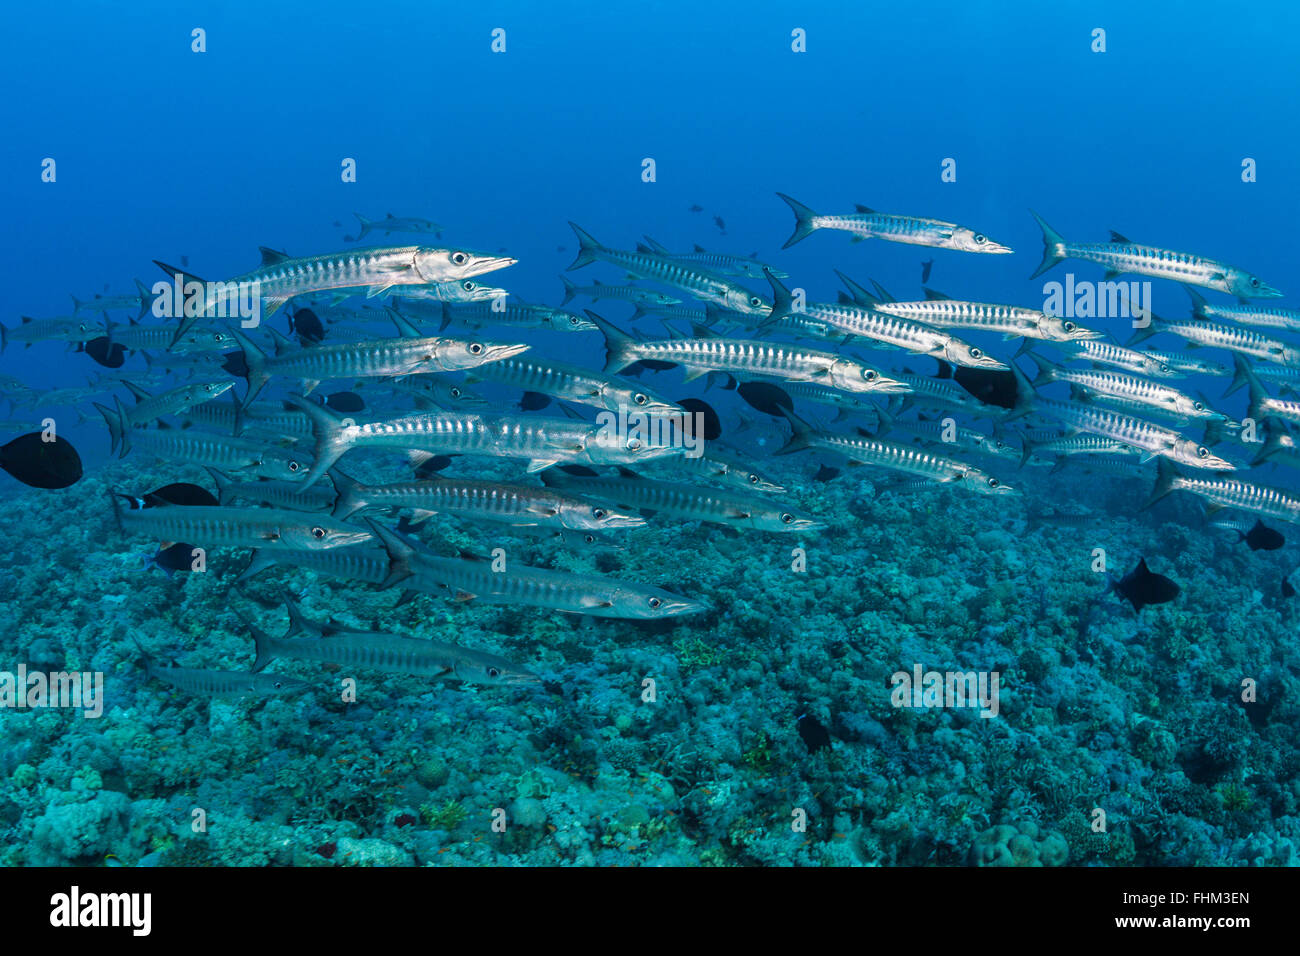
(161,152)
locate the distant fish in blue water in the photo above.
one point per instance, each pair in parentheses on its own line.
(722,226)
(926,266)
(390,224)
(1288,590)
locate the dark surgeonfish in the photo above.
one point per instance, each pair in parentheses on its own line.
(40,463)
(306,326)
(765,397)
(170,559)
(345,402)
(1261,537)
(815,736)
(990,386)
(106,353)
(712,423)
(1142,586)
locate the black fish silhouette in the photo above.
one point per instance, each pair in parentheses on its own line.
(40,463)
(1142,586)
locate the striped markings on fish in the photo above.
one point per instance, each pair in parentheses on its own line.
(121,419)
(903,333)
(864,449)
(574,383)
(214,683)
(331,643)
(1152,439)
(1121,255)
(940,311)
(208,526)
(1233,338)
(245,456)
(469,579)
(375,358)
(867,223)
(1227,493)
(672,500)
(517,505)
(515,314)
(1262,405)
(1144,392)
(1271,317)
(719,262)
(707,353)
(542,441)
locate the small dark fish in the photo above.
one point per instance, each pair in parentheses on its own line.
(712,423)
(766,397)
(181,493)
(647,365)
(1142,586)
(722,226)
(533,401)
(1262,538)
(39,463)
(1287,590)
(561,248)
(337,224)
(346,402)
(236,364)
(185,260)
(926,266)
(696,208)
(177,557)
(990,386)
(431,466)
(306,326)
(825,473)
(106,353)
(814,735)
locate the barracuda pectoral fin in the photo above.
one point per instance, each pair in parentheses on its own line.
(693,372)
(591,601)
(271,305)
(462,596)
(541,464)
(309,385)
(377,290)
(1149,456)
(1111,273)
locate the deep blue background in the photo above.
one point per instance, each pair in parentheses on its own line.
(163,152)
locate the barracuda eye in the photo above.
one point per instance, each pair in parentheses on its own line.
(1164,368)
(869,374)
(475,348)
(459,258)
(468,286)
(787,518)
(640,399)
(278,685)
(993,482)
(589,539)
(293,466)
(976,353)
(753,479)
(755,301)
(634,444)
(1199,406)
(1254,283)
(655,603)
(1069,326)
(318,532)
(598,513)
(493,672)
(980,239)
(1202,452)
(455,392)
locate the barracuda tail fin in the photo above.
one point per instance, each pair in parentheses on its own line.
(327,430)
(1166,481)
(1044,371)
(1272,445)
(118,426)
(263,643)
(225,486)
(570,290)
(366,226)
(859,293)
(801,435)
(1198,302)
(782,300)
(1243,374)
(588,248)
(346,502)
(1027,449)
(618,345)
(400,552)
(254,363)
(297,623)
(1024,394)
(1053,246)
(803,221)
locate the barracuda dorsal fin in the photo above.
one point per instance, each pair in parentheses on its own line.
(1120,237)
(404,326)
(865,210)
(933,296)
(281,341)
(272,257)
(139,393)
(859,293)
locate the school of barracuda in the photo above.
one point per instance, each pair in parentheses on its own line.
(279,466)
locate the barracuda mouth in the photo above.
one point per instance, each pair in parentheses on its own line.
(482,264)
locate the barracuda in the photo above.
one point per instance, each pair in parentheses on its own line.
(517,505)
(950,435)
(866,223)
(1262,405)
(331,643)
(516,314)
(864,449)
(121,420)
(642,298)
(112,303)
(1257,315)
(719,262)
(1058,450)
(725,469)
(253,458)
(1228,493)
(280,277)
(720,291)
(1122,255)
(457,290)
(286,495)
(215,526)
(543,441)
(365,564)
(1152,439)
(1143,392)
(377,358)
(1116,356)
(745,357)
(1233,338)
(30,331)
(685,502)
(468,579)
(1184,365)
(213,683)
(881,327)
(942,312)
(574,383)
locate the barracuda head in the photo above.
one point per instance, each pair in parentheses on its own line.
(445,265)
(1188,452)
(616,396)
(562,321)
(795,522)
(748,303)
(450,355)
(1243,284)
(204,340)
(850,376)
(463,290)
(972,356)
(968,240)
(1194,408)
(649,603)
(478,667)
(1056,329)
(600,517)
(290,465)
(317,534)
(974,479)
